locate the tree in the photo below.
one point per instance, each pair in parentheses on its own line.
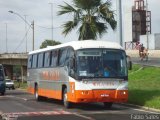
(49,43)
(90,17)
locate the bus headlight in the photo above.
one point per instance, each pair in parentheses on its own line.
(84,92)
(124,92)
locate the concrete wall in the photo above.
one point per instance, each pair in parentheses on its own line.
(157,41)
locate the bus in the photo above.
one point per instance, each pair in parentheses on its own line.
(2,80)
(79,72)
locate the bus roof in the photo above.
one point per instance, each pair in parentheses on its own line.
(82,45)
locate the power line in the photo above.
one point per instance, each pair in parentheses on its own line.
(22,39)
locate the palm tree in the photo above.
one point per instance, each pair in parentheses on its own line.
(90,17)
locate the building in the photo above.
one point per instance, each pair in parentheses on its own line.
(141,23)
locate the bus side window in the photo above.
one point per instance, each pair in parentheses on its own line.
(70,54)
(30,61)
(62,56)
(47,59)
(34,64)
(54,58)
(40,60)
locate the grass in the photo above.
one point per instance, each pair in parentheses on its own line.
(144,86)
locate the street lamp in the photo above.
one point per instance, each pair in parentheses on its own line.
(30,25)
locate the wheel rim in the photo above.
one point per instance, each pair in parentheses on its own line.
(65,98)
(36,94)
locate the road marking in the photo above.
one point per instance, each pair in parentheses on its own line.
(11,96)
(82,116)
(14,115)
(22,98)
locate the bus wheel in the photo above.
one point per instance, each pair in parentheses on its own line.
(108,105)
(38,98)
(66,103)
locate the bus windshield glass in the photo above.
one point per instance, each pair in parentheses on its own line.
(101,63)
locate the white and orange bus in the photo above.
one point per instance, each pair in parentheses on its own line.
(79,72)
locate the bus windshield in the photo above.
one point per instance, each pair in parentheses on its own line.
(101,63)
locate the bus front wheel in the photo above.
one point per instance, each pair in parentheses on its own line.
(66,103)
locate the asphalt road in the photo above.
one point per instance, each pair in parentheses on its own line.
(18,104)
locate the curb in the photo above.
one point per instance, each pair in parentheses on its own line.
(145,64)
(140,107)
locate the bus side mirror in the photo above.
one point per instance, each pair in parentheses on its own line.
(129,63)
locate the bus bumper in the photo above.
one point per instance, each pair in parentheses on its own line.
(86,96)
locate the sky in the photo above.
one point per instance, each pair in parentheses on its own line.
(13,28)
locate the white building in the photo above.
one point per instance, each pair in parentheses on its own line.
(153,41)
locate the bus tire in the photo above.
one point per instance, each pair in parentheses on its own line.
(108,105)
(66,103)
(37,97)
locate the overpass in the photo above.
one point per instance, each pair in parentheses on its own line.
(11,59)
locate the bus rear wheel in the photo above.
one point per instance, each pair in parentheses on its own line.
(108,105)
(66,103)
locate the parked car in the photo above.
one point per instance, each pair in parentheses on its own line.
(10,84)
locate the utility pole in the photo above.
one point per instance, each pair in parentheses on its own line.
(119,19)
(33,35)
(147,32)
(51,19)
